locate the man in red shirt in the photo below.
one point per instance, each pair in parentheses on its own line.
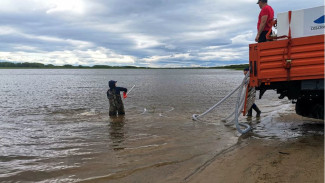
(264,20)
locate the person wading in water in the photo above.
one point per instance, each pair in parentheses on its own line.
(254,106)
(115,100)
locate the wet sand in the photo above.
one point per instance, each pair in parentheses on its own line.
(252,159)
(279,159)
(256,160)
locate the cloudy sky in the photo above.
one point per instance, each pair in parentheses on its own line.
(154,33)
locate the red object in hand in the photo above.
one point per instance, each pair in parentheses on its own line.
(124,95)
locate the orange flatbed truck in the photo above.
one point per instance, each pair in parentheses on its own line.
(294,67)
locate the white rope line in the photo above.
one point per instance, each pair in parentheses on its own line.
(130,89)
(247,127)
(238,108)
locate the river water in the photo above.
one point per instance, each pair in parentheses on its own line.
(54,124)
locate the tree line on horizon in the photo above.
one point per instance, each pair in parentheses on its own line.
(40,65)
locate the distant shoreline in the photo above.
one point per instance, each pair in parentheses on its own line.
(27,65)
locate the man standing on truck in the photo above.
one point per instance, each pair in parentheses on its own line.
(264,21)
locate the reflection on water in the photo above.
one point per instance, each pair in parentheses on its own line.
(55,124)
(281,122)
(117,132)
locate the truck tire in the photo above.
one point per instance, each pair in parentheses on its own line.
(302,108)
(310,109)
(318,111)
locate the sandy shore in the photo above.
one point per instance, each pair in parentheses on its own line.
(260,160)
(293,151)
(251,160)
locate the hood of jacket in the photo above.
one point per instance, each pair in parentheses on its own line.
(111,84)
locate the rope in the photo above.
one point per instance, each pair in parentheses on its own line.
(130,90)
(196,116)
(247,127)
(238,108)
(242,102)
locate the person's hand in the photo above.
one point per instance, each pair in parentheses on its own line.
(257,37)
(124,95)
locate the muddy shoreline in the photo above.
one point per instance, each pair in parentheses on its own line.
(284,148)
(287,148)
(260,160)
(250,160)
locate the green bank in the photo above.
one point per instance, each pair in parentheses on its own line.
(28,65)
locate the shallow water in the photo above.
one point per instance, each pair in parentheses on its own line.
(55,124)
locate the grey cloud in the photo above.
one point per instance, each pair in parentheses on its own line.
(140,29)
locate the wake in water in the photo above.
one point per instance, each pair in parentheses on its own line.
(152,110)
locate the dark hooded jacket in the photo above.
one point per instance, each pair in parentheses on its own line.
(112,86)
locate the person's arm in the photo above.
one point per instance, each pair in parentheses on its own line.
(107,94)
(261,28)
(123,89)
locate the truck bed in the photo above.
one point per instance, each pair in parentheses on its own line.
(287,60)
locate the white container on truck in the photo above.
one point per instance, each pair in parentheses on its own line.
(305,22)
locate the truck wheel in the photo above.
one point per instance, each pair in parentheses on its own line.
(310,109)
(318,111)
(302,108)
